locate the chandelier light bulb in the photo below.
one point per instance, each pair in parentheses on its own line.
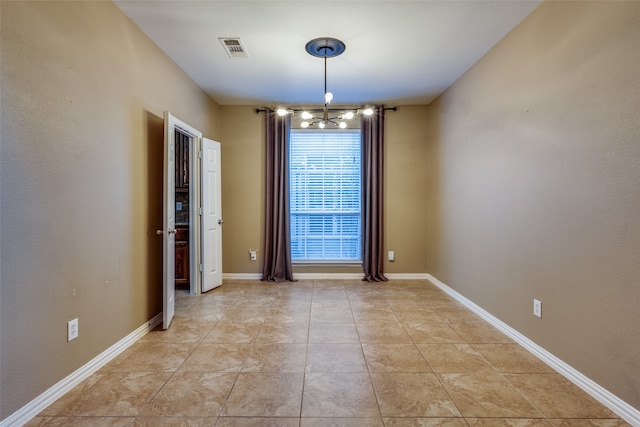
(367,111)
(348,115)
(306,115)
(321,125)
(282,112)
(304,125)
(328,97)
(343,125)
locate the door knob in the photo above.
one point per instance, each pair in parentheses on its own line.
(162,232)
(220,222)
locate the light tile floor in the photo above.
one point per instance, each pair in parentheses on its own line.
(325,353)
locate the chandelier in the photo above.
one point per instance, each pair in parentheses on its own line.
(325,47)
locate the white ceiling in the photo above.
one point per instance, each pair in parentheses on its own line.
(397,52)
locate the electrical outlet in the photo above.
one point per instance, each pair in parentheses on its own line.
(72,329)
(391,256)
(537,308)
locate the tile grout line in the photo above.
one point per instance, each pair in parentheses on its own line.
(436,375)
(306,356)
(366,362)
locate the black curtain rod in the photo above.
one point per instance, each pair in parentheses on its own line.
(264,110)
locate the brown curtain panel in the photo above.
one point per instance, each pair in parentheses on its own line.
(277,242)
(372,185)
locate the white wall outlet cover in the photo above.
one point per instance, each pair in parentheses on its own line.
(537,308)
(391,256)
(72,329)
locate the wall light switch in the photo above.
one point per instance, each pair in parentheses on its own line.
(252,255)
(391,256)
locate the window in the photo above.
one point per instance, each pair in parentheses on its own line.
(325,192)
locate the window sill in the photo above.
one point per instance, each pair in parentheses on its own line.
(327,263)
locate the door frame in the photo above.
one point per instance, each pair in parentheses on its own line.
(195,204)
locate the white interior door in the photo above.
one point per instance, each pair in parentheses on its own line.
(168,232)
(169,222)
(211,215)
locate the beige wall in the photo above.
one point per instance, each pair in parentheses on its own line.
(534,163)
(242,188)
(83,93)
(243,158)
(406,175)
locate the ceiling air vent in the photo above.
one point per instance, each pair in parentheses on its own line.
(234,47)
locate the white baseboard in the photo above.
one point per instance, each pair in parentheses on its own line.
(242,276)
(406,276)
(611,401)
(56,391)
(328,276)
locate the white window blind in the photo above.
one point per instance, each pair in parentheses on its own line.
(325,194)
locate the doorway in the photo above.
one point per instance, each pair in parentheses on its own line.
(184,144)
(191,213)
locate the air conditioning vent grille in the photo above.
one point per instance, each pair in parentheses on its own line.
(234,48)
